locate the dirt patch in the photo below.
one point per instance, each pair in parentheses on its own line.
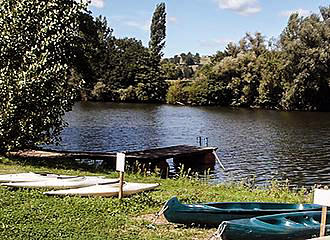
(199,233)
(161,220)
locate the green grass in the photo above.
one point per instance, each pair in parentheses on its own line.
(28,214)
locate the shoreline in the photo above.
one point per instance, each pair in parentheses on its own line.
(184,104)
(28,214)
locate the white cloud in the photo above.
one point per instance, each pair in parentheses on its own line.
(94,3)
(97,3)
(172,19)
(144,26)
(242,7)
(217,42)
(301,12)
(141,23)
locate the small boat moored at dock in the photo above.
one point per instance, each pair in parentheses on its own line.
(286,226)
(214,213)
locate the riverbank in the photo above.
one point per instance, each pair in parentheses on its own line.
(28,214)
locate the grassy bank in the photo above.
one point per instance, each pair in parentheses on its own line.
(28,214)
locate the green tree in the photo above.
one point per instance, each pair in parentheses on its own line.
(325,13)
(231,50)
(220,76)
(270,89)
(127,57)
(131,60)
(96,60)
(244,88)
(158,33)
(171,71)
(190,59)
(38,42)
(197,58)
(217,57)
(305,43)
(233,77)
(118,69)
(188,72)
(198,93)
(151,82)
(176,93)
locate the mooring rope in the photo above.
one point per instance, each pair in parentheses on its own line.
(162,210)
(219,232)
(218,160)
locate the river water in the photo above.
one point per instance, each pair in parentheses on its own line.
(261,144)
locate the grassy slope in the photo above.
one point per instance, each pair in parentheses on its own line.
(28,214)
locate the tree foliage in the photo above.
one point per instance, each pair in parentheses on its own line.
(95,61)
(292,74)
(38,45)
(305,43)
(171,71)
(123,69)
(158,33)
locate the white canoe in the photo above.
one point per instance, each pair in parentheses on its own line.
(63,183)
(106,190)
(29,177)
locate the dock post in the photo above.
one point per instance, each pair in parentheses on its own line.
(121,185)
(206,140)
(199,141)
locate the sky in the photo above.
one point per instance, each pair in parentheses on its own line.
(202,26)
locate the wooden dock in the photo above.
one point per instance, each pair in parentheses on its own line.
(179,153)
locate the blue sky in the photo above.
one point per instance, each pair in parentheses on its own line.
(203,26)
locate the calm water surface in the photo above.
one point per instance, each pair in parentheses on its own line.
(252,143)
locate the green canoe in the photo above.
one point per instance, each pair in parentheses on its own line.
(286,226)
(214,213)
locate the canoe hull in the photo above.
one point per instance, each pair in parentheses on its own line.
(287,226)
(212,214)
(29,177)
(77,182)
(107,190)
(209,219)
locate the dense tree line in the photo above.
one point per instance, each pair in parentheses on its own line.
(180,67)
(54,52)
(122,69)
(291,73)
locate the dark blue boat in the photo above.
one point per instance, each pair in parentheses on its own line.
(213,214)
(286,226)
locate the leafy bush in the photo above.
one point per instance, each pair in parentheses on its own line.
(176,93)
(198,92)
(128,94)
